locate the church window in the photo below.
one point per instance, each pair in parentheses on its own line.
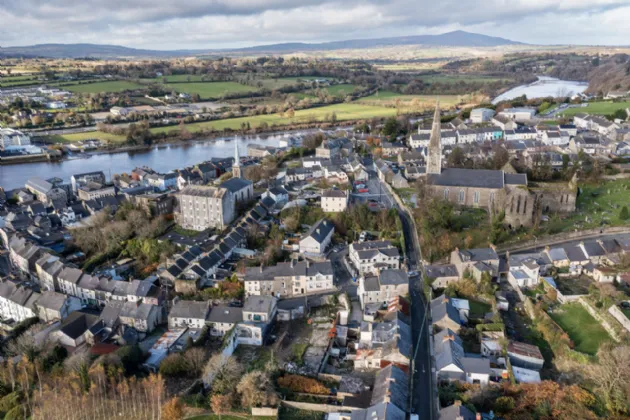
(461,196)
(446,193)
(476,197)
(491,197)
(518,205)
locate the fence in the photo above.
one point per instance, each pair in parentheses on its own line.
(620,316)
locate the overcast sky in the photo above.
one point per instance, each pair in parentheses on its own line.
(168,24)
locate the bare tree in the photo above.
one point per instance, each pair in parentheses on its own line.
(611,376)
(256,389)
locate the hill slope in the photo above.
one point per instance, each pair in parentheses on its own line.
(454,39)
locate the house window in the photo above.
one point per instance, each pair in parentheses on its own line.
(476,197)
(461,196)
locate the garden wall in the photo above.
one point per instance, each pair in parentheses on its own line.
(620,316)
(600,319)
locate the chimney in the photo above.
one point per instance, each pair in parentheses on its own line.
(445,299)
(457,403)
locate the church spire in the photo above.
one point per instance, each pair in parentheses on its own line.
(434,160)
(236,166)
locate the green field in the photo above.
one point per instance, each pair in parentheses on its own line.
(211,90)
(70,138)
(343,112)
(389,96)
(456,78)
(341,90)
(583,329)
(596,108)
(100,87)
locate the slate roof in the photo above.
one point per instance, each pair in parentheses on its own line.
(441,308)
(258,304)
(71,275)
(391,385)
(594,249)
(320,230)
(52,300)
(393,277)
(286,269)
(77,323)
(189,309)
(575,253)
(478,254)
(225,314)
(477,178)
(235,184)
(39,184)
(441,270)
(557,254)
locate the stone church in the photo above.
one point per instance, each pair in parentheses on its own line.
(492,190)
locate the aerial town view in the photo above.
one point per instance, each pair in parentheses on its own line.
(315,210)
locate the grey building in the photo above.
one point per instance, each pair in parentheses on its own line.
(203,207)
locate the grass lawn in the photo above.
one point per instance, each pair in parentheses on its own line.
(479,308)
(598,108)
(111,86)
(71,138)
(582,328)
(287,413)
(626,312)
(211,90)
(351,111)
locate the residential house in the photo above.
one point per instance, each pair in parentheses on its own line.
(52,306)
(368,257)
(78,180)
(47,268)
(504,123)
(444,314)
(524,273)
(476,261)
(387,284)
(386,342)
(162,182)
(452,364)
(258,315)
(289,279)
(334,201)
(441,275)
(223,318)
(188,313)
(17,302)
(317,239)
(74,330)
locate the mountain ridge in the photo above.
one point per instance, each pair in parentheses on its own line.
(79,50)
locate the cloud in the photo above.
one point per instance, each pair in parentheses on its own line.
(209,24)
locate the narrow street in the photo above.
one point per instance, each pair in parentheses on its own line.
(422,401)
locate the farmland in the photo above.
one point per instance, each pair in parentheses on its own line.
(596,108)
(582,328)
(100,87)
(457,78)
(211,90)
(385,96)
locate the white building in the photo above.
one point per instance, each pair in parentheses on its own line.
(481,115)
(188,313)
(317,239)
(203,207)
(519,114)
(11,137)
(334,201)
(368,257)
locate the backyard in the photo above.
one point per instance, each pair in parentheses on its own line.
(584,330)
(573,285)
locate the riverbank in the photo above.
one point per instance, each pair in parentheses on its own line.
(544,87)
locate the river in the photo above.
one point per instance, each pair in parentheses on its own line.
(162,158)
(542,88)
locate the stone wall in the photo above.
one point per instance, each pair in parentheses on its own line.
(322,408)
(620,316)
(561,238)
(600,319)
(264,411)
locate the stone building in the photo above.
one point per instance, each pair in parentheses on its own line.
(203,207)
(492,190)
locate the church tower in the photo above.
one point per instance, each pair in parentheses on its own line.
(236,167)
(434,158)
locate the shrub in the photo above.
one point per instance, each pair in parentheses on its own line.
(624,214)
(174,365)
(504,404)
(297,383)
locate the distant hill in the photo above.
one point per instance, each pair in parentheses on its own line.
(450,39)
